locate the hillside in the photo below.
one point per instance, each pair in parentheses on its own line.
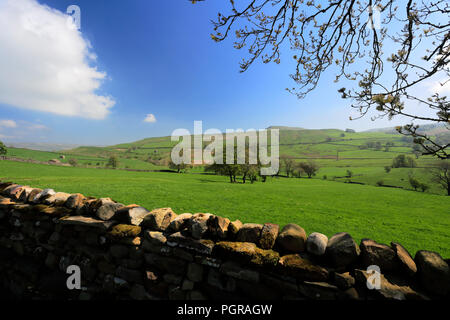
(322,145)
(365,154)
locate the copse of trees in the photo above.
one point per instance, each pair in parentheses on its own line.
(224,169)
(403,161)
(246,170)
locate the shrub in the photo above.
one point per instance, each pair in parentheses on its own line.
(387,169)
(380,183)
(324,177)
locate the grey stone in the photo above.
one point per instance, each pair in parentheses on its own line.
(198,225)
(108,210)
(316,243)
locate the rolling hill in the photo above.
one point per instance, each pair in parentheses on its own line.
(365,154)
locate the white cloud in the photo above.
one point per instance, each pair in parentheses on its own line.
(441,87)
(33,126)
(8,124)
(150,118)
(45,65)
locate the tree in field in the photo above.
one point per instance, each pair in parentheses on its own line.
(387,169)
(441,175)
(178,167)
(250,171)
(344,35)
(113,162)
(230,170)
(287,163)
(402,161)
(3,149)
(414,182)
(310,168)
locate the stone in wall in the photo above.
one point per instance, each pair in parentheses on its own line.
(158,219)
(373,253)
(342,250)
(292,238)
(433,272)
(128,252)
(249,232)
(316,243)
(269,234)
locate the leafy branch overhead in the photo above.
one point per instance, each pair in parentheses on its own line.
(337,33)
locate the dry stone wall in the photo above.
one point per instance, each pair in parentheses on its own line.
(129,252)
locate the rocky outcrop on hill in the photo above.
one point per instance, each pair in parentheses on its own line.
(130,252)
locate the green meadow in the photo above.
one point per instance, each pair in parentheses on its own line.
(416,220)
(335,151)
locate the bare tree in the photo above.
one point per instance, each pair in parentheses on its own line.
(323,33)
(441,175)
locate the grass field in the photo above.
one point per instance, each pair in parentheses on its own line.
(335,151)
(416,220)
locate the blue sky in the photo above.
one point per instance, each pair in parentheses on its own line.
(157,58)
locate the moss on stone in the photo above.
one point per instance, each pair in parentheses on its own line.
(124,231)
(247,252)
